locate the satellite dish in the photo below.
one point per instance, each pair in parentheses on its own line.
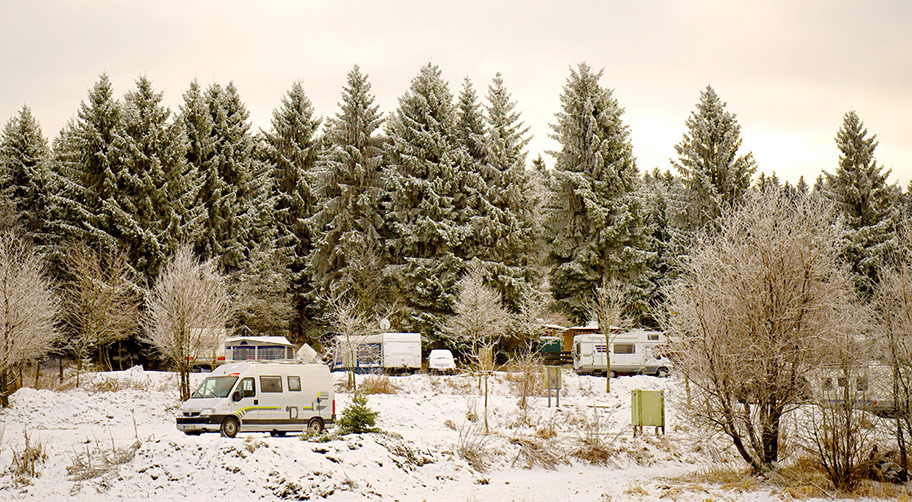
(385,324)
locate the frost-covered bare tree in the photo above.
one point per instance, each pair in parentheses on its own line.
(28,309)
(608,306)
(750,312)
(350,323)
(479,322)
(893,299)
(100,305)
(186,308)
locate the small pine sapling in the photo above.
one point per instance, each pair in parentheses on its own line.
(358,418)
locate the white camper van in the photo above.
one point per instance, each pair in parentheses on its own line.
(634,351)
(260,397)
(384,351)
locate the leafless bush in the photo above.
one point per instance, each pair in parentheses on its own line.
(535,452)
(26,462)
(473,445)
(526,377)
(350,323)
(608,307)
(97,461)
(752,313)
(595,444)
(28,310)
(378,384)
(188,310)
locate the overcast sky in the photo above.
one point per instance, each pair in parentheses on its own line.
(788,69)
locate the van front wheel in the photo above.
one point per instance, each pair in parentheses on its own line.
(315,425)
(230,427)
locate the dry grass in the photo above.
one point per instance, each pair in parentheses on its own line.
(534,452)
(98,461)
(27,462)
(473,446)
(595,444)
(378,384)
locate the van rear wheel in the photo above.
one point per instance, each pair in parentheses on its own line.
(315,425)
(230,427)
(662,372)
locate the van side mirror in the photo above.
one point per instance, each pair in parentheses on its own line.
(236,396)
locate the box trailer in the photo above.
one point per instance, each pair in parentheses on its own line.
(384,351)
(635,351)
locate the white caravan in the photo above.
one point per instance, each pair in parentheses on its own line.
(634,351)
(260,397)
(385,351)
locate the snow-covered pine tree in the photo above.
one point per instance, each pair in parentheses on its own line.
(26,181)
(715,175)
(194,113)
(508,257)
(152,211)
(348,253)
(291,150)
(664,208)
(236,192)
(471,205)
(770,182)
(87,166)
(420,176)
(870,206)
(594,218)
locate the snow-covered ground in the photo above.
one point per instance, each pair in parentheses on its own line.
(117,441)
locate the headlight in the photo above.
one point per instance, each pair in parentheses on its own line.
(207,412)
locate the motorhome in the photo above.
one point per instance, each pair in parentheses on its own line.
(634,351)
(384,351)
(260,397)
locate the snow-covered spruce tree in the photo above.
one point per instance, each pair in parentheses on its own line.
(870,206)
(291,150)
(235,193)
(26,180)
(507,254)
(665,206)
(715,176)
(348,253)
(594,217)
(194,113)
(421,179)
(28,310)
(88,165)
(152,210)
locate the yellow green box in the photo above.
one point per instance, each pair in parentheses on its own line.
(647,408)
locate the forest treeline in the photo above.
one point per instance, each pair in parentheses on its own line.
(390,209)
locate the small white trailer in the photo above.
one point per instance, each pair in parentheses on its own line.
(384,351)
(634,351)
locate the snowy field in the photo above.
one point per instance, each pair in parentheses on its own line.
(117,441)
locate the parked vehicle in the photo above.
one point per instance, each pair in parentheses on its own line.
(260,397)
(634,351)
(869,389)
(384,351)
(441,361)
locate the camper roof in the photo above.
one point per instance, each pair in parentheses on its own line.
(273,340)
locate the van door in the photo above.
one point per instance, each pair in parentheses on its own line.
(247,406)
(272,402)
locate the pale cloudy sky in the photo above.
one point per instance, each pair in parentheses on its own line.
(788,69)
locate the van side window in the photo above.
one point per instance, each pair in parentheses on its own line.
(624,348)
(248,388)
(271,383)
(294,383)
(653,337)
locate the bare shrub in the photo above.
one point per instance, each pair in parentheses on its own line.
(595,444)
(28,310)
(28,460)
(535,452)
(608,307)
(378,384)
(347,319)
(188,309)
(98,461)
(100,304)
(752,312)
(473,446)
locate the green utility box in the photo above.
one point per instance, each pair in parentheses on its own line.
(647,409)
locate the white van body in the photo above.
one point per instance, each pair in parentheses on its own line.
(384,351)
(633,351)
(260,397)
(441,360)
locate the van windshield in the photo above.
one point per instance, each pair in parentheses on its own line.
(214,387)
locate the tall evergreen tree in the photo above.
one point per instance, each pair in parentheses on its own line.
(151,212)
(715,175)
(87,164)
(26,181)
(421,180)
(348,254)
(594,220)
(870,206)
(291,150)
(509,233)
